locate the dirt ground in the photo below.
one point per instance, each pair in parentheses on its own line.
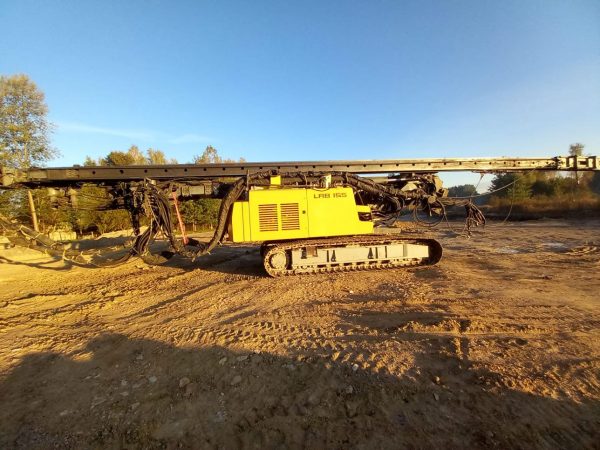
(498,347)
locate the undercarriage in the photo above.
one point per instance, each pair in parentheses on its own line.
(348,253)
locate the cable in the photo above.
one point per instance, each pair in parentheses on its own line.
(495,190)
(512,202)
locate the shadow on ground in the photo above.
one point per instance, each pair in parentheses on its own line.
(121,392)
(243,260)
(52,263)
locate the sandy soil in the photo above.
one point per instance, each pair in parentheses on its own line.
(497,347)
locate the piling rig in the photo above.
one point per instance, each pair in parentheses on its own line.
(308,217)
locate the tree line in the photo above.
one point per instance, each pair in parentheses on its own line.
(537,194)
(134,157)
(199,214)
(89,213)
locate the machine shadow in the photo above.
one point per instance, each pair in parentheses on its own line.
(119,392)
(46,265)
(242,260)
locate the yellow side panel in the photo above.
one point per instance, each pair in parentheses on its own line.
(333,212)
(277,214)
(281,213)
(240,222)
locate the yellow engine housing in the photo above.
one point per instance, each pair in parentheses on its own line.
(279,213)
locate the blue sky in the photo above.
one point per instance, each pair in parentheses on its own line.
(312,80)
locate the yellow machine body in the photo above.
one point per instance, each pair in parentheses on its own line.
(280,213)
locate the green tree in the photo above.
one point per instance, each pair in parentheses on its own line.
(89,161)
(595,183)
(9,202)
(512,185)
(156,156)
(133,156)
(583,180)
(119,158)
(24,126)
(576,149)
(203,212)
(136,155)
(544,185)
(91,198)
(209,156)
(463,190)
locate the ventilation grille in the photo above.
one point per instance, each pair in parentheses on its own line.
(267,217)
(290,216)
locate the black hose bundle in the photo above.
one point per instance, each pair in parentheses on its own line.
(474,217)
(157,208)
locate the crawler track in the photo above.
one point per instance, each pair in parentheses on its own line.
(269,250)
